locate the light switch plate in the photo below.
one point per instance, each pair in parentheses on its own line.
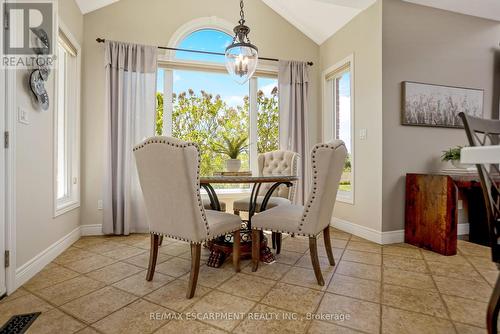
(99,204)
(363,133)
(22,116)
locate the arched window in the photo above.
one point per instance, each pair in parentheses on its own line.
(210,40)
(206,106)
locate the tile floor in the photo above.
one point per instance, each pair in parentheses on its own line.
(98,286)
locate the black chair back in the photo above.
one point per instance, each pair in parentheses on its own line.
(484,132)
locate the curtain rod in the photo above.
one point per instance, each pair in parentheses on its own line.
(102,40)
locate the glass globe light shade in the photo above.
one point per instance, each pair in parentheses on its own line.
(241,61)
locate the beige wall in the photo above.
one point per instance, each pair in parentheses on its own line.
(362,37)
(154,22)
(36,229)
(432,46)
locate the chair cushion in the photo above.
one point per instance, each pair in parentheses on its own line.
(206,205)
(220,223)
(244,203)
(282,218)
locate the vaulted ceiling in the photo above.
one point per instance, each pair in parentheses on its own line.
(320,19)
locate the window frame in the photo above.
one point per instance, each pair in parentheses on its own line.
(168,64)
(72,124)
(329,118)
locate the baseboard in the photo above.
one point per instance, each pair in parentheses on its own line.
(33,266)
(382,238)
(88,230)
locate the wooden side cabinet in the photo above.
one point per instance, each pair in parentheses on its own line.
(431,214)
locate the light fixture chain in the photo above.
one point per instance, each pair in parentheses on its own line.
(242,13)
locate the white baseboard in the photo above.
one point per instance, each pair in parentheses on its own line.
(33,266)
(88,230)
(382,238)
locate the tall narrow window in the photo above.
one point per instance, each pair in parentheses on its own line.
(339,104)
(67,155)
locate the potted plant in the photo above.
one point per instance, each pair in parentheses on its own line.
(453,155)
(232,147)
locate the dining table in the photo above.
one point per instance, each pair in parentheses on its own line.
(221,247)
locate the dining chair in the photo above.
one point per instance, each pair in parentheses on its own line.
(327,161)
(273,163)
(483,132)
(169,174)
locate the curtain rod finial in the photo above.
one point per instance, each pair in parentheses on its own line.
(100,40)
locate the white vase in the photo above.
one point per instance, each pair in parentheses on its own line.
(233,165)
(457,164)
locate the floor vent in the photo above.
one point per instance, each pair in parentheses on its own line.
(19,324)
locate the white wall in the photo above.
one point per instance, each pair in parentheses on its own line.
(36,229)
(154,22)
(362,37)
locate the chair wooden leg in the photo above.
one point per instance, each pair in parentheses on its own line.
(278,243)
(273,238)
(328,245)
(313,250)
(236,251)
(493,308)
(195,269)
(153,255)
(255,249)
(236,212)
(161,240)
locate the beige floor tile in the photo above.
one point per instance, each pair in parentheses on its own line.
(306,278)
(338,234)
(295,246)
(359,270)
(55,321)
(87,241)
(247,286)
(134,318)
(212,277)
(402,251)
(337,252)
(176,249)
(175,267)
(356,238)
(103,247)
(436,257)
(16,294)
(287,257)
(114,272)
(482,262)
(364,247)
(98,304)
(50,275)
(423,301)
(490,276)
(352,313)
(173,295)
(409,279)
(220,303)
(467,329)
(26,304)
(68,290)
(274,271)
(293,298)
(480,291)
(280,322)
(142,260)
(321,327)
(137,284)
(133,238)
(355,287)
(466,272)
(72,254)
(362,257)
(466,311)
(88,330)
(188,326)
(91,263)
(305,262)
(124,252)
(396,321)
(404,263)
(336,243)
(469,248)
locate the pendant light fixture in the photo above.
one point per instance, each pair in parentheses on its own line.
(241,56)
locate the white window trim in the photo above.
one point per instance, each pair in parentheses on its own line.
(73,202)
(328,121)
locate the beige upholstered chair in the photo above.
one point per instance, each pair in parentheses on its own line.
(273,163)
(327,161)
(168,171)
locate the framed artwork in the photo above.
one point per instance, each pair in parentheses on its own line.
(439,106)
